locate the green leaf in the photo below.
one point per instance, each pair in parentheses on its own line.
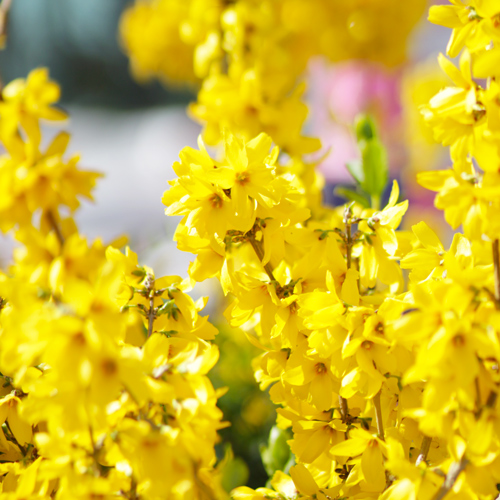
(351,195)
(170,308)
(234,471)
(140,272)
(375,167)
(277,453)
(366,129)
(355,168)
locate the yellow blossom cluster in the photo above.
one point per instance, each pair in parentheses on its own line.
(466,116)
(389,386)
(103,367)
(249,55)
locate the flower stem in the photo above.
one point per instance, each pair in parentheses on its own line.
(424,450)
(55,226)
(257,246)
(378,416)
(348,235)
(149,284)
(344,409)
(454,471)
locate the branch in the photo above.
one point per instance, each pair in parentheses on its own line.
(424,450)
(55,226)
(256,245)
(344,409)
(150,286)
(348,238)
(4,17)
(378,416)
(456,468)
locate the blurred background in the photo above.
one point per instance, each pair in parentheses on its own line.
(133,133)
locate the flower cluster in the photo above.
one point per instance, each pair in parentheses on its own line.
(389,389)
(103,367)
(249,55)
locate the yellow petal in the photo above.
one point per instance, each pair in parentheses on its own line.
(372,467)
(350,448)
(445,15)
(427,237)
(350,290)
(303,480)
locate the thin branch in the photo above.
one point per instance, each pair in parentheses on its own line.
(478,397)
(456,468)
(4,18)
(151,316)
(256,245)
(344,409)
(492,399)
(378,416)
(424,450)
(55,226)
(150,286)
(133,490)
(348,238)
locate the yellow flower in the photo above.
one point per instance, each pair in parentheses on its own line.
(25,101)
(473,23)
(455,112)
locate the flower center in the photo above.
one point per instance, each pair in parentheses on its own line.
(216,201)
(242,178)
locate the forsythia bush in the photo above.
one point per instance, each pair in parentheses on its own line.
(103,365)
(388,386)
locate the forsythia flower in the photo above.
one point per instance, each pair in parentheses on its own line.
(103,366)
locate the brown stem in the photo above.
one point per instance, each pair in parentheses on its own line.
(260,254)
(55,226)
(492,399)
(349,246)
(348,240)
(478,396)
(4,12)
(424,450)
(454,471)
(496,267)
(149,284)
(133,490)
(151,317)
(344,409)
(378,416)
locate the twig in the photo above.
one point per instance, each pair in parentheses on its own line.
(478,397)
(424,450)
(348,239)
(453,472)
(260,254)
(378,415)
(4,17)
(55,226)
(133,490)
(344,409)
(492,399)
(150,286)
